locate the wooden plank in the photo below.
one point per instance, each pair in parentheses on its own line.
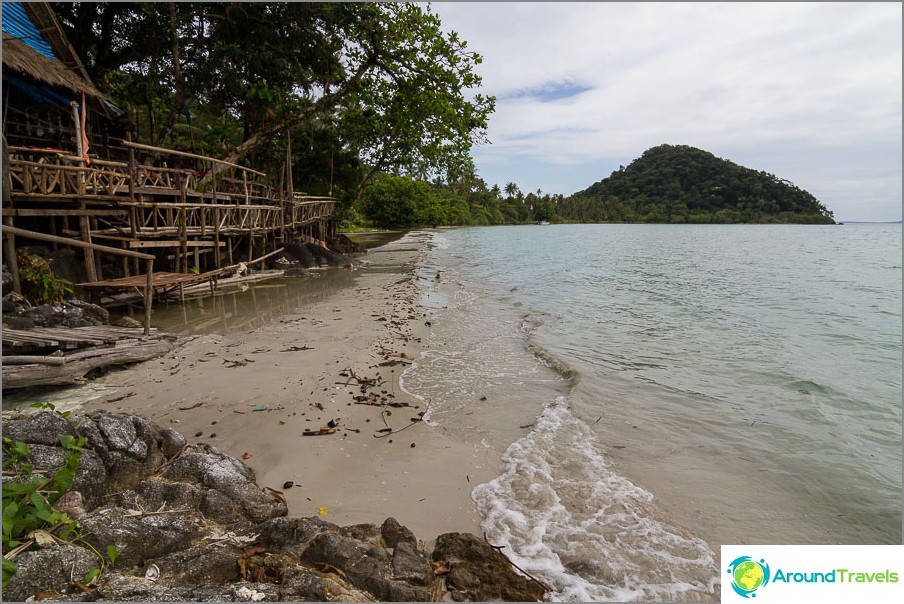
(172,243)
(73,371)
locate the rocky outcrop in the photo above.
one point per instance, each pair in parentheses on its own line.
(19,314)
(190,523)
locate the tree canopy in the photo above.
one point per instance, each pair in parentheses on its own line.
(375,86)
(678,183)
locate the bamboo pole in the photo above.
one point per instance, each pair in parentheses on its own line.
(250,223)
(148,294)
(11,261)
(191,155)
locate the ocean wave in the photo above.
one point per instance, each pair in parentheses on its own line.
(590,533)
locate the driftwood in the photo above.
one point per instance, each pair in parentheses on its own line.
(76,365)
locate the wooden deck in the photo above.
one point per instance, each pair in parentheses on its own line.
(164,284)
(70,338)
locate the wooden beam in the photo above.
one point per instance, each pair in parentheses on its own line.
(56,212)
(74,242)
(174,243)
(191,155)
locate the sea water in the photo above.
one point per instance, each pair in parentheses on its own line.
(655,391)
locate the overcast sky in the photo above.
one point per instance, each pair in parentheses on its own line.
(810,92)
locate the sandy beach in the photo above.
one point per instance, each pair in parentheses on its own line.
(254,393)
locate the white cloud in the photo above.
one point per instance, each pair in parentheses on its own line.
(802,79)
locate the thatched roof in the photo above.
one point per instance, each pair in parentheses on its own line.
(18,57)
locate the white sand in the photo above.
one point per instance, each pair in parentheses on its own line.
(417,475)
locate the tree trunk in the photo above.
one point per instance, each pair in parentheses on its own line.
(176,108)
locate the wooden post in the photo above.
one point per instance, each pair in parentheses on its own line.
(183,218)
(148,295)
(98,264)
(89,253)
(11,261)
(133,212)
(250,223)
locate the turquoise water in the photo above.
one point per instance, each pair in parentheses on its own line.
(656,391)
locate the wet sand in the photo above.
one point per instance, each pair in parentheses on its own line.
(302,367)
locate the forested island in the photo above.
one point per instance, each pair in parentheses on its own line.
(678,184)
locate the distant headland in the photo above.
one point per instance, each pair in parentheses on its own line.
(682,184)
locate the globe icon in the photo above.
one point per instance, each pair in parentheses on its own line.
(748,575)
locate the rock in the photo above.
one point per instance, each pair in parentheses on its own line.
(7,281)
(342,244)
(137,539)
(300,254)
(49,570)
(127,322)
(170,442)
(283,532)
(212,469)
(411,565)
(202,564)
(127,445)
(394,533)
(45,428)
(217,513)
(72,313)
(14,304)
(90,477)
(362,532)
(366,566)
(480,573)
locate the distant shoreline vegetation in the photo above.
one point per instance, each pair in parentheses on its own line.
(668,184)
(682,184)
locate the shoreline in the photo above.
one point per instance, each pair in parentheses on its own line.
(252,394)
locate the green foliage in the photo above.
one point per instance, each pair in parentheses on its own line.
(678,184)
(400,202)
(39,284)
(28,499)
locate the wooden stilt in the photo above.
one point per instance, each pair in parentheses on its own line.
(89,253)
(12,263)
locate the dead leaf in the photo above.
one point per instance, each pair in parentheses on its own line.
(246,455)
(443,569)
(329,568)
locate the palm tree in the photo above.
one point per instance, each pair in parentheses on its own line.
(511,189)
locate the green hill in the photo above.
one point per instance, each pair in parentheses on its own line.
(678,183)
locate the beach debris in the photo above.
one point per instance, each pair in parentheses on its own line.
(243,559)
(297,348)
(323,430)
(213,435)
(443,569)
(246,455)
(319,406)
(277,495)
(333,423)
(523,426)
(249,594)
(195,406)
(198,433)
(288,484)
(329,568)
(260,408)
(322,511)
(483,398)
(119,398)
(237,363)
(152,573)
